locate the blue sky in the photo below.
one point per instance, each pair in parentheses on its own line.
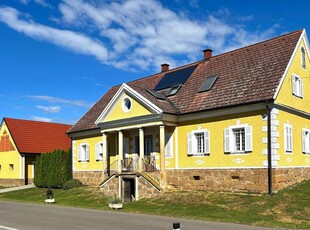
(57,58)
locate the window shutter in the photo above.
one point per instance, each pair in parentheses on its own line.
(190,144)
(87,153)
(227,141)
(80,149)
(304,136)
(291,138)
(207,141)
(168,147)
(293,85)
(301,88)
(98,151)
(285,138)
(248,138)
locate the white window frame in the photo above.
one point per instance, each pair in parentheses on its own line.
(99,151)
(230,139)
(297,86)
(168,145)
(192,143)
(306,141)
(83,152)
(303,57)
(288,138)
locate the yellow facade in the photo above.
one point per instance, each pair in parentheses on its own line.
(285,96)
(296,158)
(118,111)
(10,161)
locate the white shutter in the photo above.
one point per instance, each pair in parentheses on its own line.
(207,141)
(98,148)
(80,149)
(293,84)
(248,138)
(291,138)
(301,87)
(285,138)
(87,153)
(304,136)
(190,144)
(227,141)
(168,146)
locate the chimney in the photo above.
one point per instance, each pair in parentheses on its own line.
(207,54)
(164,67)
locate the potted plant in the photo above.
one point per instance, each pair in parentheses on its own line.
(49,196)
(115,202)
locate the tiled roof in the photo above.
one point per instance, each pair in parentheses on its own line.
(247,75)
(38,136)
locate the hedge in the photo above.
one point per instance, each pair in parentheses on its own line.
(53,169)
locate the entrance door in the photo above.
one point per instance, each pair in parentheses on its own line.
(129,191)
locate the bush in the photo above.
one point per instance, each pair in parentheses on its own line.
(72,184)
(53,169)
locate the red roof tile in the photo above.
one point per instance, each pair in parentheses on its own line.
(247,75)
(37,136)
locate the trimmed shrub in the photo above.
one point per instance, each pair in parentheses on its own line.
(53,169)
(72,184)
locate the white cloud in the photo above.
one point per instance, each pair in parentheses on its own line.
(78,103)
(137,34)
(74,41)
(49,109)
(45,119)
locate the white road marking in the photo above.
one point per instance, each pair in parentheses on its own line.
(7,228)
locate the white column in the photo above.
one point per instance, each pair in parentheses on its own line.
(163,179)
(141,148)
(120,150)
(104,154)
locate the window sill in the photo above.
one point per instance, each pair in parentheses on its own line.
(288,152)
(83,161)
(198,155)
(97,160)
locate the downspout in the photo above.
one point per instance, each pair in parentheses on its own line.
(269,148)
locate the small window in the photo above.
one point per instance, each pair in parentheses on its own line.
(11,167)
(83,154)
(303,58)
(198,142)
(207,84)
(174,90)
(127,104)
(306,141)
(288,138)
(238,139)
(297,86)
(99,151)
(0,168)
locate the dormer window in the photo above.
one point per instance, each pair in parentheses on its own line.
(174,89)
(208,83)
(303,57)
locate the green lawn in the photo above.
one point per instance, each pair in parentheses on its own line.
(289,208)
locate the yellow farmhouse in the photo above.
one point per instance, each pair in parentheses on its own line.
(237,121)
(21,141)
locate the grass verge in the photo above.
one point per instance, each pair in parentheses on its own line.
(289,208)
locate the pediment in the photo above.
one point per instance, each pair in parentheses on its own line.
(127,103)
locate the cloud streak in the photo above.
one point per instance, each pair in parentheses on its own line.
(49,109)
(78,103)
(73,41)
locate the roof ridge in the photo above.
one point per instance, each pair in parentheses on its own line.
(46,122)
(258,43)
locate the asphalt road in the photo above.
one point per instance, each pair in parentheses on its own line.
(20,216)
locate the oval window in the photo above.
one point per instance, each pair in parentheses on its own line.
(126,104)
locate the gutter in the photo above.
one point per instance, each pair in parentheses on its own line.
(268,107)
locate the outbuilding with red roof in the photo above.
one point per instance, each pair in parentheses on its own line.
(21,141)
